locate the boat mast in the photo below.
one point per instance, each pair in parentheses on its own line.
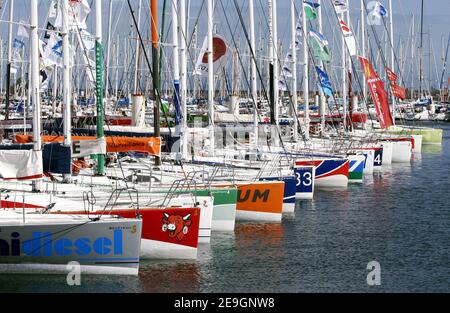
(322,99)
(363,44)
(305,71)
(99,80)
(210,78)
(176,76)
(108,55)
(349,77)
(155,65)
(35,82)
(66,77)
(275,63)
(138,55)
(271,66)
(421,52)
(254,85)
(344,76)
(441,83)
(391,39)
(8,65)
(183,86)
(294,69)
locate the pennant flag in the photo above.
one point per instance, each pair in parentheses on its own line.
(319,46)
(22,30)
(398,92)
(310,10)
(379,10)
(18,44)
(349,38)
(78,13)
(289,58)
(391,75)
(53,51)
(52,13)
(287,72)
(220,50)
(325,83)
(378,92)
(298,30)
(282,86)
(49,30)
(340,6)
(87,39)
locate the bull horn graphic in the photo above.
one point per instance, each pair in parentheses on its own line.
(166,215)
(186,217)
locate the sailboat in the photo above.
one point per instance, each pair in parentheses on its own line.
(40,243)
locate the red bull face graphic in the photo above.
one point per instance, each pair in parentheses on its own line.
(176,225)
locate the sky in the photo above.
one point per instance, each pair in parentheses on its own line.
(436,22)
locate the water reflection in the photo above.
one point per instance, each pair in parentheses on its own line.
(432,149)
(170,277)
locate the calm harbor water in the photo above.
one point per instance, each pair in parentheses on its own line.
(399,217)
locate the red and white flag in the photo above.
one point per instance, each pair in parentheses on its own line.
(349,38)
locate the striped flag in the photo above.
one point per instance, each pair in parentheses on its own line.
(349,38)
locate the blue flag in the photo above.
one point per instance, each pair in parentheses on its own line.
(380,10)
(18,44)
(325,83)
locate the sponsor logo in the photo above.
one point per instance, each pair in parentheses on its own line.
(176,225)
(48,244)
(244,196)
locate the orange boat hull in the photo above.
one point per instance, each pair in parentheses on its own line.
(260,201)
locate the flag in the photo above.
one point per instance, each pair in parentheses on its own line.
(53,11)
(398,92)
(289,58)
(18,49)
(78,13)
(319,46)
(87,39)
(310,10)
(53,54)
(349,38)
(22,30)
(220,50)
(48,30)
(391,75)
(379,10)
(340,6)
(325,83)
(18,44)
(287,72)
(282,85)
(44,80)
(378,92)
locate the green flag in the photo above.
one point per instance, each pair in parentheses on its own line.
(310,10)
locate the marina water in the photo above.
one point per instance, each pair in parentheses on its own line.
(399,218)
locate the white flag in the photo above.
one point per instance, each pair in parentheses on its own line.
(22,30)
(88,40)
(340,6)
(53,12)
(78,13)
